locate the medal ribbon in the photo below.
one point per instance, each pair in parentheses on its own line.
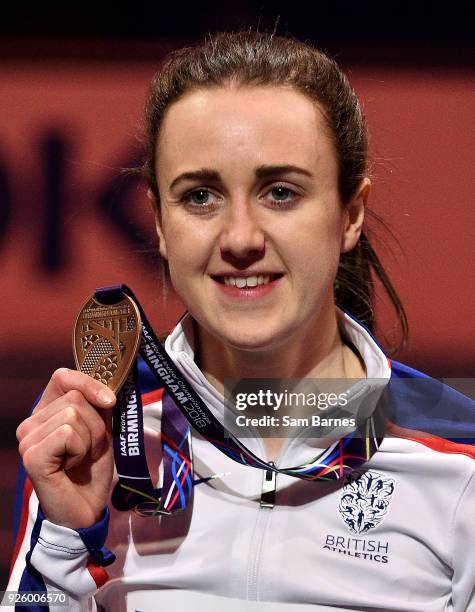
(183,407)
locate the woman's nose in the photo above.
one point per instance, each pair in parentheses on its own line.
(242,233)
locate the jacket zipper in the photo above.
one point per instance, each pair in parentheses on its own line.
(267,502)
(268,488)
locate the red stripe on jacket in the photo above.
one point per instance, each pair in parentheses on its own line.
(98,574)
(27,491)
(152,396)
(434,442)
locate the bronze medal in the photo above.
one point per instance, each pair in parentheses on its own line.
(106,339)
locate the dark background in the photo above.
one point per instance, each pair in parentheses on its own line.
(409,32)
(67,215)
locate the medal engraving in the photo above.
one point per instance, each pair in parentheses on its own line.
(106,339)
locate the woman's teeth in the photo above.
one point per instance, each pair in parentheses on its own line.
(248,281)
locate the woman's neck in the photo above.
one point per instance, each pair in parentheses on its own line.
(315,352)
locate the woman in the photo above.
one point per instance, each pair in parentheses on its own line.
(257,170)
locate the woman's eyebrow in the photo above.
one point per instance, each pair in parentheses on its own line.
(207,174)
(267,171)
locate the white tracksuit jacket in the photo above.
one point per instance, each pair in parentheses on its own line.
(227,553)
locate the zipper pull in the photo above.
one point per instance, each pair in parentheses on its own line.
(268,488)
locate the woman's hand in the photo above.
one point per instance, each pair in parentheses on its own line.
(66,447)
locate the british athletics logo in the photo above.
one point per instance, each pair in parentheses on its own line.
(363,503)
(364,500)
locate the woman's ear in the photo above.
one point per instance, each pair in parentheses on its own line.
(162,245)
(354,216)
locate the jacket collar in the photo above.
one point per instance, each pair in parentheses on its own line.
(180,345)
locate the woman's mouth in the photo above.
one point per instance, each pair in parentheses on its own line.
(247,286)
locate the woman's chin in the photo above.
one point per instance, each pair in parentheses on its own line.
(252,340)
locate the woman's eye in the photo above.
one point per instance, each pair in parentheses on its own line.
(200,198)
(280,195)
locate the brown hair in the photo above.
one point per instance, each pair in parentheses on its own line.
(256,58)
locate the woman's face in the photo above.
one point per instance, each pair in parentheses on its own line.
(251,222)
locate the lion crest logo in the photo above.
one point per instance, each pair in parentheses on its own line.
(364,500)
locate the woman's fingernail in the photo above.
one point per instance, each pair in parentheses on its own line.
(105,397)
